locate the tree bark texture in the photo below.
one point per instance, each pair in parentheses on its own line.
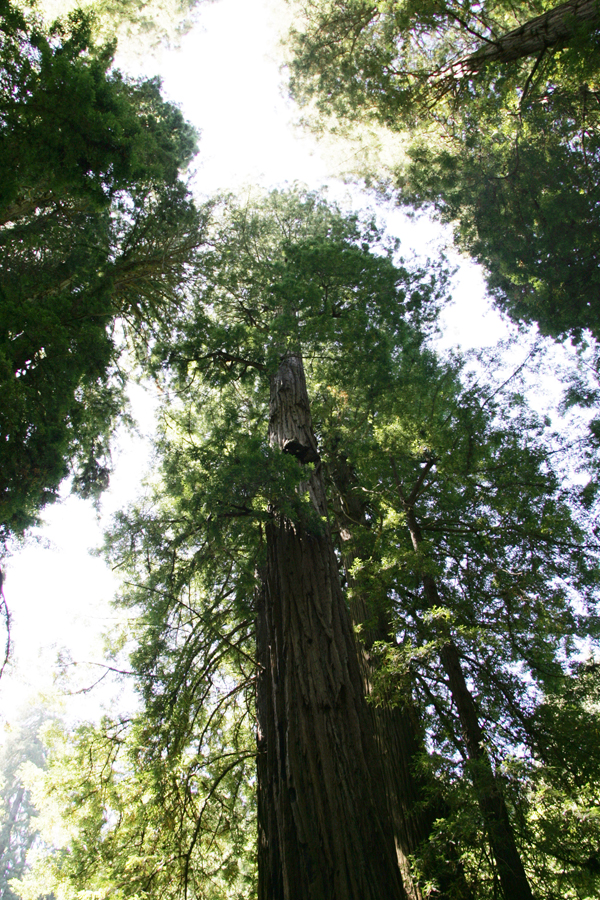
(552,28)
(272,804)
(489,794)
(324,831)
(513,878)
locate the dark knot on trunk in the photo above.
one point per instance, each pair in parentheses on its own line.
(304,453)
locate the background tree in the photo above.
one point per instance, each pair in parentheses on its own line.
(138,28)
(497,133)
(529,174)
(22,746)
(96,228)
(180,826)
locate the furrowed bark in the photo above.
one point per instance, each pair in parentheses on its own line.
(511,872)
(399,745)
(551,29)
(489,794)
(324,832)
(270,873)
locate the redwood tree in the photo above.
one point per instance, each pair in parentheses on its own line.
(466,548)
(465,570)
(484,114)
(300,278)
(322,814)
(395,62)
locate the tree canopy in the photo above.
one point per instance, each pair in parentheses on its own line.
(97,228)
(498,133)
(362,584)
(448,512)
(135,26)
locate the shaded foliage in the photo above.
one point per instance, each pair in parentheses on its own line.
(502,145)
(96,228)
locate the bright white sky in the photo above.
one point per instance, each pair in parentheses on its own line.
(226,78)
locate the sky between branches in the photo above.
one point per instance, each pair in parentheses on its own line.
(226,78)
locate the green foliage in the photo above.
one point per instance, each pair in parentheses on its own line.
(127,823)
(22,746)
(553,798)
(291,272)
(499,532)
(563,816)
(531,175)
(139,26)
(517,576)
(509,547)
(505,149)
(95,226)
(71,125)
(408,63)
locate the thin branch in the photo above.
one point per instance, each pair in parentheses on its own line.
(214,786)
(5,614)
(530,77)
(513,374)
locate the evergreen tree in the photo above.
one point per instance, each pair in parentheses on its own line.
(401,60)
(293,280)
(466,566)
(22,746)
(120,816)
(96,228)
(494,109)
(477,528)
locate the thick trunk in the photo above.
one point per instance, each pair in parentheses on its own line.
(414,803)
(487,789)
(551,29)
(270,873)
(324,832)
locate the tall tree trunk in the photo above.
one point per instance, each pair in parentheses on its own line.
(324,831)
(551,29)
(411,797)
(272,803)
(487,788)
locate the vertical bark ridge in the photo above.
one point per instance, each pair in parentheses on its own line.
(324,825)
(270,875)
(399,746)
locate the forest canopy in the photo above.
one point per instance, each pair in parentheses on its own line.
(494,110)
(96,229)
(360,589)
